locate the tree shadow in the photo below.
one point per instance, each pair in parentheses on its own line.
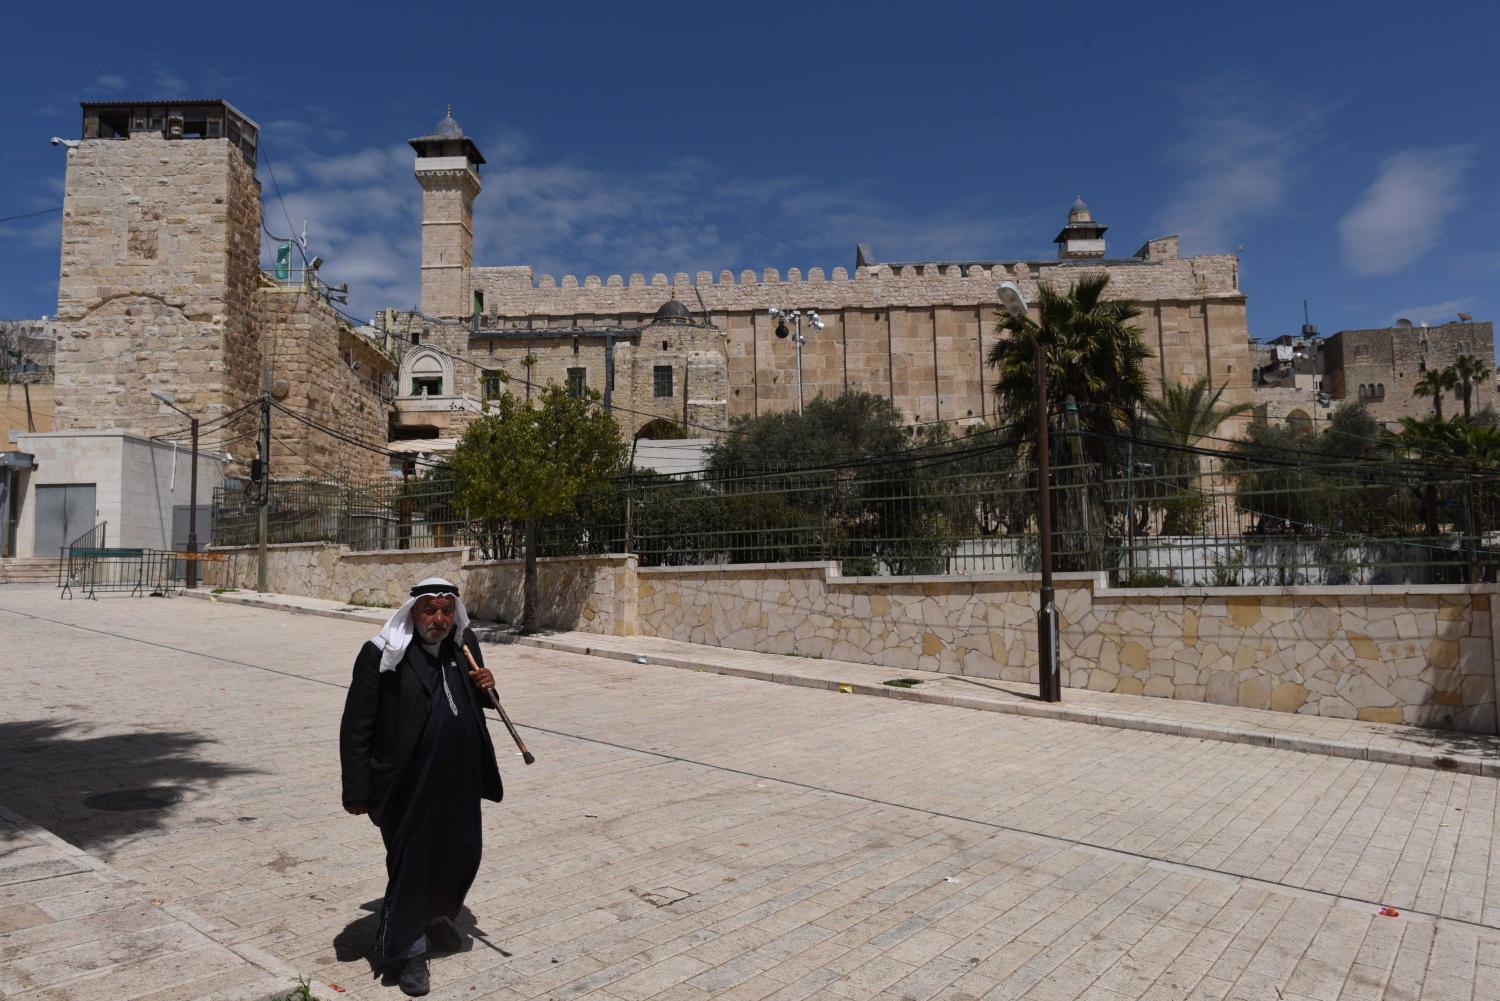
(101,792)
(357,940)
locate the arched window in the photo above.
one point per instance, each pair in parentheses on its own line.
(1380,390)
(427,373)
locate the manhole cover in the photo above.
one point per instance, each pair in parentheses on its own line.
(133,799)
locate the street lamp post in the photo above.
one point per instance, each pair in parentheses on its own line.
(1049,680)
(192,539)
(782,331)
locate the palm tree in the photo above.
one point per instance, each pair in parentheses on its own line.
(1469,372)
(1434,383)
(1184,415)
(1178,420)
(1093,355)
(1095,359)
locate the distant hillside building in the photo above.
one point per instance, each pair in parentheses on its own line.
(1380,367)
(1301,379)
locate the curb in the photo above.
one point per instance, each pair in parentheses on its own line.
(1464,764)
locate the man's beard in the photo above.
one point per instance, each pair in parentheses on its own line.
(434,635)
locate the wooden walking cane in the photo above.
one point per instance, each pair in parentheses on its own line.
(526,755)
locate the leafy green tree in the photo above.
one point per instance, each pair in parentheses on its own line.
(844,478)
(530,463)
(1468,373)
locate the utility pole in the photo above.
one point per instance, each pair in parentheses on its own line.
(1049,675)
(261,585)
(1046,616)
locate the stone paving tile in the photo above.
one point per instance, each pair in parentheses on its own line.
(123,946)
(831,847)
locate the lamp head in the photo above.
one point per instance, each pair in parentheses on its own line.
(164,397)
(1012,301)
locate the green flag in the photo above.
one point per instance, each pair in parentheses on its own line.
(283,261)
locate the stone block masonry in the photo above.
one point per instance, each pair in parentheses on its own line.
(1417,655)
(917,334)
(158,274)
(332,376)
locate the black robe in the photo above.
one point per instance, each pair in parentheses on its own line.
(421,770)
(430,825)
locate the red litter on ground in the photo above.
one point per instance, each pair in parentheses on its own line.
(337,988)
(1389,912)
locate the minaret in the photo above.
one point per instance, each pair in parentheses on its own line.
(1082,237)
(447,168)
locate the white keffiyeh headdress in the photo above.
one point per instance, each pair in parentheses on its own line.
(397,633)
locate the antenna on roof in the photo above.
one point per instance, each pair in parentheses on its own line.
(1308,330)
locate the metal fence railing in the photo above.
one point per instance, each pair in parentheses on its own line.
(1147,517)
(91,566)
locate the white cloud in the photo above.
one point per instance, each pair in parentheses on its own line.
(1237,160)
(110,81)
(1437,312)
(565,216)
(1401,215)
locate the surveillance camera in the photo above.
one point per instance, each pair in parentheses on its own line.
(56,140)
(60,141)
(315,263)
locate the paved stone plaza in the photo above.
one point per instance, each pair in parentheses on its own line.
(693,836)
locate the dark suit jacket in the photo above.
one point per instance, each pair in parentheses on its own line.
(383,718)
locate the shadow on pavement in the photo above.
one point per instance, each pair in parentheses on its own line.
(98,792)
(357,940)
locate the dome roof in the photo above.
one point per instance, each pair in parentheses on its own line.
(448,128)
(673,311)
(1079,212)
(446,131)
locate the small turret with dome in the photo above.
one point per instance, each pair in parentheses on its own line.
(674,313)
(1082,237)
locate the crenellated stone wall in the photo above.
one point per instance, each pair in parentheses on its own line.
(916,334)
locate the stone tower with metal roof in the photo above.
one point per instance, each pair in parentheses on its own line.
(447,168)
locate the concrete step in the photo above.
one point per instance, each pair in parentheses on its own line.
(29,570)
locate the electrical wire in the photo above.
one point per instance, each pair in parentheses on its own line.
(31,215)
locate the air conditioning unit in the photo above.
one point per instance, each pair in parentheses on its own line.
(174,126)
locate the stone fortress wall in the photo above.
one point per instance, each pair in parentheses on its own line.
(157,279)
(694,352)
(160,288)
(321,368)
(917,334)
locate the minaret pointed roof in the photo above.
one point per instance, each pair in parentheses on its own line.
(445,131)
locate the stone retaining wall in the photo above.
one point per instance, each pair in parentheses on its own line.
(320,570)
(1417,655)
(1421,655)
(596,594)
(593,593)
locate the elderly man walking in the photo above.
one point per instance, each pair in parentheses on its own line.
(417,758)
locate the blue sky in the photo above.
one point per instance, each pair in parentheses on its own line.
(1348,148)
